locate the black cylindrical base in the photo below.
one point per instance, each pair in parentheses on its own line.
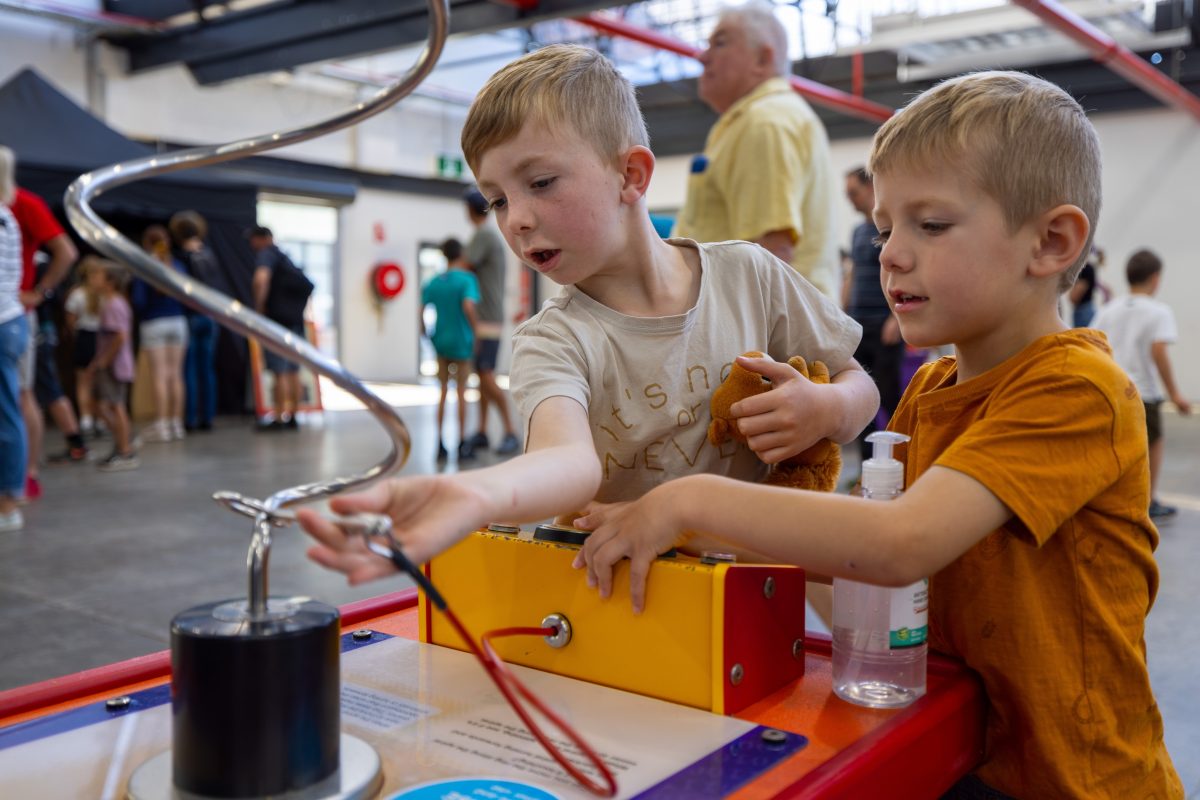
(255,703)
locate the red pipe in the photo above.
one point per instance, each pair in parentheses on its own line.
(856,74)
(1116,57)
(819,93)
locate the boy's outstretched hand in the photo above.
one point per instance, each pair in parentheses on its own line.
(793,416)
(639,530)
(429,514)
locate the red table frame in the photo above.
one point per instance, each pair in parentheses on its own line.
(917,752)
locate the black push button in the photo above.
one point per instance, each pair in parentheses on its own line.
(561,534)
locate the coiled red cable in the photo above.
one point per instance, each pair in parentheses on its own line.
(510,686)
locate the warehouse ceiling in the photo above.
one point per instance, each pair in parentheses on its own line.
(903,46)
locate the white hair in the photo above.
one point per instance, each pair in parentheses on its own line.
(763,29)
(8,180)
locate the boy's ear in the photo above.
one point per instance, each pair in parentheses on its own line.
(637,169)
(1062,233)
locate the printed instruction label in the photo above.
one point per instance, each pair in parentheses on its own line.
(378,711)
(909,624)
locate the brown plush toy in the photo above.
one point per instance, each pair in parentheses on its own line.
(816,468)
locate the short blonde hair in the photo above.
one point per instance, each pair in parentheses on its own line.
(8,178)
(1025,142)
(560,86)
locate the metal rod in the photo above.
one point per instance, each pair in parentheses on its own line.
(1115,56)
(233,314)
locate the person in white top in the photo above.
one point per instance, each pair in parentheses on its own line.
(14,334)
(1139,328)
(83,321)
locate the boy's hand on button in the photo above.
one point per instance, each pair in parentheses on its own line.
(788,419)
(639,530)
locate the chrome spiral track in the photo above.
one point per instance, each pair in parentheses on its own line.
(236,316)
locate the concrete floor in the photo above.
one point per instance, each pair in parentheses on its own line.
(106,560)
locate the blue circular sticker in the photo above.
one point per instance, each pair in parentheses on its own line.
(473,789)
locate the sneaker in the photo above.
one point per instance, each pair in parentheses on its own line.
(272,426)
(479,441)
(157,432)
(442,455)
(177,431)
(291,424)
(119,463)
(1158,511)
(70,455)
(508,445)
(12,521)
(466,451)
(33,488)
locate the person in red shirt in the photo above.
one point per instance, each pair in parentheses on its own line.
(41,231)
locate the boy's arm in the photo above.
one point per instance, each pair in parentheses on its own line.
(260,287)
(1158,351)
(890,544)
(559,472)
(472,316)
(797,413)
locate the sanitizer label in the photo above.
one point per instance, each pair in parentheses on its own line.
(909,615)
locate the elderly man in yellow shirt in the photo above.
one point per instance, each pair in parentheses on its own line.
(765,175)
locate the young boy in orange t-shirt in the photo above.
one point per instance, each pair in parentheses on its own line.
(1027,470)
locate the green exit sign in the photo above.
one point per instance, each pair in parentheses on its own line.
(449,167)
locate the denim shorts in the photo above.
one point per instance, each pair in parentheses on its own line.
(278,364)
(485,356)
(164,332)
(13,336)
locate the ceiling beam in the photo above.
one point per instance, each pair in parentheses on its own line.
(289,33)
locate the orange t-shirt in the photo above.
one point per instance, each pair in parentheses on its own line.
(1050,609)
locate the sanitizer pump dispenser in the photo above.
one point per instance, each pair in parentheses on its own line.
(879,633)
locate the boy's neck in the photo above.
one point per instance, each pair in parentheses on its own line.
(973,361)
(1144,289)
(651,277)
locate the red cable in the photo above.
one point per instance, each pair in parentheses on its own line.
(506,682)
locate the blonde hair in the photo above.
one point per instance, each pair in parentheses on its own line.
(8,177)
(762,29)
(87,265)
(117,274)
(1025,142)
(560,86)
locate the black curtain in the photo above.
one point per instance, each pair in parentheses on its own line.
(229,211)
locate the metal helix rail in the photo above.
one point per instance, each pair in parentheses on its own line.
(240,319)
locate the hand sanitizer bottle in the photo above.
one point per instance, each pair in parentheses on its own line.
(879,633)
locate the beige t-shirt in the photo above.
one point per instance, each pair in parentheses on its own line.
(646,382)
(766,167)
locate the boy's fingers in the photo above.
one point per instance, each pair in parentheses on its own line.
(376,499)
(639,570)
(769,368)
(333,559)
(321,529)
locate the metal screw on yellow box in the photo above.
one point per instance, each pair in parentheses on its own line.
(703,623)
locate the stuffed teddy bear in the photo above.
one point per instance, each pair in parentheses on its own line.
(816,468)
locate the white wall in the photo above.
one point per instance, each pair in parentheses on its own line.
(383,346)
(52,48)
